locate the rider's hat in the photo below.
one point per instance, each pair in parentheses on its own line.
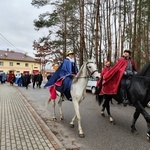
(127,51)
(69,52)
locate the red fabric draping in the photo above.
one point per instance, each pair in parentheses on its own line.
(52,89)
(112,78)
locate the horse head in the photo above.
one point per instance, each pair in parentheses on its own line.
(92,69)
(88,69)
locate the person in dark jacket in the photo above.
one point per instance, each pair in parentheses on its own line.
(39,80)
(34,80)
(129,71)
(26,80)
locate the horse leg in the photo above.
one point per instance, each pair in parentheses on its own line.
(53,105)
(60,108)
(103,106)
(103,109)
(109,114)
(75,116)
(76,107)
(135,117)
(72,121)
(107,105)
(47,102)
(146,116)
(148,131)
(54,114)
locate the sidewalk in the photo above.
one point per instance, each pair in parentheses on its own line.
(21,128)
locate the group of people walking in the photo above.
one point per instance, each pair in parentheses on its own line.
(37,79)
(24,79)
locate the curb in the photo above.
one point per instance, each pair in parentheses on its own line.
(50,135)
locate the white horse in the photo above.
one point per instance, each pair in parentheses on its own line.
(78,91)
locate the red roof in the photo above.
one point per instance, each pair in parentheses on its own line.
(12,55)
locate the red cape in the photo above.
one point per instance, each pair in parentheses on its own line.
(112,78)
(11,75)
(100,81)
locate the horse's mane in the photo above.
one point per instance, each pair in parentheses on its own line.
(145,71)
(75,79)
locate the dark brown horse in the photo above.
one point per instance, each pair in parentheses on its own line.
(138,93)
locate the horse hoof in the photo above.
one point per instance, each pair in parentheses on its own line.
(148,137)
(81,135)
(111,119)
(112,122)
(102,113)
(72,125)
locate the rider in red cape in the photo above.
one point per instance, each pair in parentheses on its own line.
(100,81)
(112,79)
(62,78)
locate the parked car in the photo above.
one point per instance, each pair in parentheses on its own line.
(148,105)
(91,85)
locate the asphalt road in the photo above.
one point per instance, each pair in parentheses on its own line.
(99,133)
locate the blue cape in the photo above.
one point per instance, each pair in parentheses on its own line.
(64,71)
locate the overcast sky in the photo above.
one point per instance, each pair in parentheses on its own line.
(16,25)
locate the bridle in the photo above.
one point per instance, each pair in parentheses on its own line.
(89,72)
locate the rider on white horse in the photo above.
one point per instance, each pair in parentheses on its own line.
(62,78)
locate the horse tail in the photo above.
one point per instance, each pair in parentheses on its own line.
(47,102)
(99,98)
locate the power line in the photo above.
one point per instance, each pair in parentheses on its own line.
(8,42)
(4,40)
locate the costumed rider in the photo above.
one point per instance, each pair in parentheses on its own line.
(62,78)
(99,85)
(129,71)
(106,68)
(118,75)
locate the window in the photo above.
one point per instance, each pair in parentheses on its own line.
(26,65)
(1,63)
(18,63)
(10,63)
(18,72)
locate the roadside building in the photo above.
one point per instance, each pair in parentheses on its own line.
(17,62)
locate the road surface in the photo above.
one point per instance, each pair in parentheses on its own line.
(99,133)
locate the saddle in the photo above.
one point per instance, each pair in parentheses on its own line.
(64,87)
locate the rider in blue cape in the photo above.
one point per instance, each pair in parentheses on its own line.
(62,78)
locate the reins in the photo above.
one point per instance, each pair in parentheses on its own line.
(89,72)
(81,77)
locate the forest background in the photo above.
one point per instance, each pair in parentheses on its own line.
(101,29)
